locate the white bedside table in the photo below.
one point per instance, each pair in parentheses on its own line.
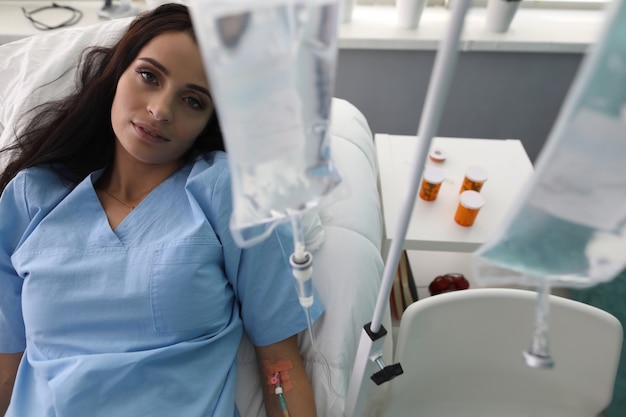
(432,225)
(435,243)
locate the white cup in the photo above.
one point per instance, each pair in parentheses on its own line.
(346,9)
(500,14)
(409,12)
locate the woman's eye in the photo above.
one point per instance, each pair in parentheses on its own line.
(148,76)
(194,103)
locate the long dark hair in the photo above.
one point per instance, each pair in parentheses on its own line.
(74,135)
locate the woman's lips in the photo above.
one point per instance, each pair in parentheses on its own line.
(149,134)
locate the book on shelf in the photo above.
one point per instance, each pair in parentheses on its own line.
(396,301)
(404,290)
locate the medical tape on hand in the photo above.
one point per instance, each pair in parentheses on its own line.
(281,367)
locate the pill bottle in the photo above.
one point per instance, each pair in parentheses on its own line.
(431,183)
(474,179)
(470,203)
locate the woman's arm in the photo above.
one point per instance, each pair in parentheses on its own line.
(8,370)
(282,360)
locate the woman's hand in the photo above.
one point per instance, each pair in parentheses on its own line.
(281,363)
(8,370)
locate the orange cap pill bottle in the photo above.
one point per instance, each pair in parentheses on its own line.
(474,179)
(437,155)
(431,183)
(470,203)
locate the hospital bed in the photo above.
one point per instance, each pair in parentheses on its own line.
(347,264)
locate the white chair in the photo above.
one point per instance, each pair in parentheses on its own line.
(462,356)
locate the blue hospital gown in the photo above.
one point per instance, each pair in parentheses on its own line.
(143,320)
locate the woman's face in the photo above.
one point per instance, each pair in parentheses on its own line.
(162,101)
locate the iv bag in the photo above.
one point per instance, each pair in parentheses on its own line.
(271,67)
(570,224)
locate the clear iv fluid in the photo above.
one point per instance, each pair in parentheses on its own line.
(544,246)
(540,244)
(272,69)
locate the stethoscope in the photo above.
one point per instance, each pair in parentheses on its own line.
(76,16)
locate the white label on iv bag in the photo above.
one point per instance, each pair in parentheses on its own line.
(270,130)
(253,65)
(585,181)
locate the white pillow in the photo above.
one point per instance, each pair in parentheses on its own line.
(35,69)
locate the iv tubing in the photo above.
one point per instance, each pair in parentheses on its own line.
(538,355)
(442,72)
(302,266)
(299,251)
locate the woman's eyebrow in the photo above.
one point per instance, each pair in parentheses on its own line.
(164,70)
(200,89)
(156,64)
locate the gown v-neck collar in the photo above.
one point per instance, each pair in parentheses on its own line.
(121,233)
(124,232)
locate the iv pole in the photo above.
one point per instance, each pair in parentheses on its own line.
(369,354)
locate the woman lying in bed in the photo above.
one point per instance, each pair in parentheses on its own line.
(122,292)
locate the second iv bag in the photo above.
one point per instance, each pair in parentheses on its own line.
(569,229)
(570,226)
(271,66)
